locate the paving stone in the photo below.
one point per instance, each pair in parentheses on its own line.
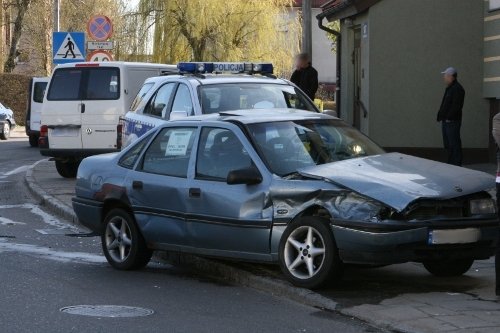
(470,305)
(466,321)
(436,311)
(424,325)
(489,316)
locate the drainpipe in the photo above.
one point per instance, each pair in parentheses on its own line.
(320,18)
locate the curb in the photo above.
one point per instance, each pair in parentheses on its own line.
(210,267)
(52,204)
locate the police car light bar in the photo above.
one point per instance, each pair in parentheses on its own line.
(225,67)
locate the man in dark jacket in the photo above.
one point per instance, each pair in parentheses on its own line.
(450,115)
(305,76)
(496,135)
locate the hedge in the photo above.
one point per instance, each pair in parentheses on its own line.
(14,94)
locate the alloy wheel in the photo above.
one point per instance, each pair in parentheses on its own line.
(118,239)
(304,252)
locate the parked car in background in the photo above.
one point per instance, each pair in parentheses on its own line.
(82,107)
(297,188)
(204,88)
(7,122)
(36,91)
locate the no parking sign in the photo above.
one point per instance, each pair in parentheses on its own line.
(100,27)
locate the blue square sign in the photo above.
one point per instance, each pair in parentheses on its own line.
(68,47)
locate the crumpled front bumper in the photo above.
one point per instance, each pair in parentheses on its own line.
(378,247)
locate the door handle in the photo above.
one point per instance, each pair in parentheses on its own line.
(194,192)
(82,108)
(137,185)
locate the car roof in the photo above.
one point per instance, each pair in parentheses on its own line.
(219,78)
(117,63)
(255,116)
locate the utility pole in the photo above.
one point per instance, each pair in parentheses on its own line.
(57,4)
(306,28)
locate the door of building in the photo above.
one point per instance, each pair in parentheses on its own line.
(357,78)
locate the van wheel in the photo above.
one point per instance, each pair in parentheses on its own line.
(67,169)
(33,140)
(122,242)
(308,255)
(6,131)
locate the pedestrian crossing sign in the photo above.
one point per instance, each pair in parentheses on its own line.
(68,47)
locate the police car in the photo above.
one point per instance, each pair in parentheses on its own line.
(204,88)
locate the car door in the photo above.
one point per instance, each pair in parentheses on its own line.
(227,220)
(101,106)
(157,187)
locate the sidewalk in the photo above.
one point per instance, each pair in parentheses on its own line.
(400,297)
(18,132)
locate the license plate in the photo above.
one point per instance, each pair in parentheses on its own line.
(454,236)
(65,131)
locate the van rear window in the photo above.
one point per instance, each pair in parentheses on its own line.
(39,91)
(65,85)
(100,83)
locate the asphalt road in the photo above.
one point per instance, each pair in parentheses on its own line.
(47,264)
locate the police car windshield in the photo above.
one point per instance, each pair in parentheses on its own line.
(287,146)
(243,96)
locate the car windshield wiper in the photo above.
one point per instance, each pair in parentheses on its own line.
(291,175)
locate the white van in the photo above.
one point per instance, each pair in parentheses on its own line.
(82,107)
(36,91)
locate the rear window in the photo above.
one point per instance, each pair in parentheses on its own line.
(39,91)
(65,85)
(99,83)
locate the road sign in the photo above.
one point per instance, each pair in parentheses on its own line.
(68,47)
(108,45)
(100,27)
(99,55)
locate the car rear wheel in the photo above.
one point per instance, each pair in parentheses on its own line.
(6,131)
(122,243)
(308,255)
(67,169)
(455,267)
(33,140)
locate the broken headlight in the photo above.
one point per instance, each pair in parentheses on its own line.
(351,206)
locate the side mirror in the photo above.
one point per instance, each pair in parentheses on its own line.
(247,176)
(174,115)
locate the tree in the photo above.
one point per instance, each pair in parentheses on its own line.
(214,30)
(19,8)
(335,25)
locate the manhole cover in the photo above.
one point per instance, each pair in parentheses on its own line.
(111,311)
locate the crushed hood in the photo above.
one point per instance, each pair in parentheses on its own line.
(397,180)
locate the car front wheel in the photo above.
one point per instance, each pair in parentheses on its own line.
(308,255)
(455,267)
(122,243)
(6,131)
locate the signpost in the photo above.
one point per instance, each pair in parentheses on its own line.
(68,47)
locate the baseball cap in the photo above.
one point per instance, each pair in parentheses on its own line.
(450,71)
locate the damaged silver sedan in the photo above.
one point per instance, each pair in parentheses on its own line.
(296,188)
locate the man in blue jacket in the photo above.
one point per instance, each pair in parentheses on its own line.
(450,115)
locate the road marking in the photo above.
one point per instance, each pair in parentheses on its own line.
(6,221)
(16,170)
(46,218)
(51,254)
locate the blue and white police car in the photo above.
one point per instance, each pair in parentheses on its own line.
(204,88)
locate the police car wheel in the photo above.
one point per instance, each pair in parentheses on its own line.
(122,242)
(308,255)
(67,169)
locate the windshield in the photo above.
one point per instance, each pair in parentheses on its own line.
(292,145)
(242,96)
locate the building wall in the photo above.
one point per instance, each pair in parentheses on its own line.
(412,41)
(491,82)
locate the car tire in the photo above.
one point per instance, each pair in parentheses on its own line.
(33,140)
(6,131)
(67,169)
(122,242)
(446,268)
(299,264)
